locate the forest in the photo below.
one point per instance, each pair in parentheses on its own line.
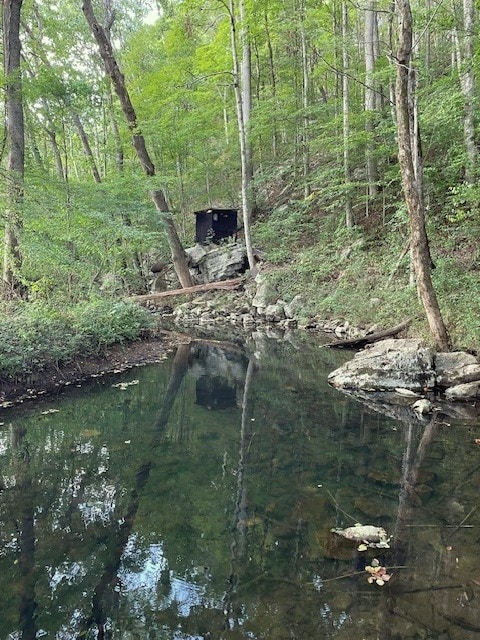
(344,132)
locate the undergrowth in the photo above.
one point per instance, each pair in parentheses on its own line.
(34,336)
(363,275)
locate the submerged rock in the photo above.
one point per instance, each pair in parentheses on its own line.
(422,406)
(369,534)
(456,368)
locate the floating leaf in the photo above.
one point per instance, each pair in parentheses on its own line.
(377,573)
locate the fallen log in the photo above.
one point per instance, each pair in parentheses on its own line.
(199,288)
(185,338)
(369,337)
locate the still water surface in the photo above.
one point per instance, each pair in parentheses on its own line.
(195,499)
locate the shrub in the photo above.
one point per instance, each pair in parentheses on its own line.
(37,335)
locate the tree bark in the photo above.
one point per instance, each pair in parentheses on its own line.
(273,82)
(15,136)
(159,199)
(242,135)
(246,81)
(32,140)
(349,223)
(87,149)
(119,155)
(412,183)
(371,33)
(305,103)
(198,288)
(56,153)
(465,61)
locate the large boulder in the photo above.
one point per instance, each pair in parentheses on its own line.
(217,262)
(456,368)
(388,365)
(266,294)
(293,308)
(465,392)
(274,312)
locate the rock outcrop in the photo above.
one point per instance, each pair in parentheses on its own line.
(388,365)
(399,365)
(456,368)
(212,263)
(466,392)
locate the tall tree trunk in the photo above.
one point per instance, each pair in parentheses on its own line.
(15,136)
(87,149)
(391,85)
(273,82)
(242,135)
(305,103)
(346,119)
(179,258)
(412,180)
(465,61)
(428,38)
(246,80)
(371,47)
(30,134)
(119,155)
(56,153)
(246,87)
(222,92)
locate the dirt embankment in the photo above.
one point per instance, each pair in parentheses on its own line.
(116,358)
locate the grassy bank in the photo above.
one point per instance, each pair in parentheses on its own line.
(363,275)
(35,336)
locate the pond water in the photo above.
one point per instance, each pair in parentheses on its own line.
(196,499)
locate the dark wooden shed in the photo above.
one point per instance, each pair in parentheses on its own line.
(212,225)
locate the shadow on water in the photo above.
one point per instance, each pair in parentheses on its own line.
(196,499)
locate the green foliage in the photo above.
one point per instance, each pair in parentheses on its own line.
(102,323)
(38,335)
(463,204)
(457,282)
(362,277)
(76,233)
(72,236)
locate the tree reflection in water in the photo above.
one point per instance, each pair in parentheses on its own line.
(196,499)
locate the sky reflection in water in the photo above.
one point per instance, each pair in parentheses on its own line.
(196,500)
